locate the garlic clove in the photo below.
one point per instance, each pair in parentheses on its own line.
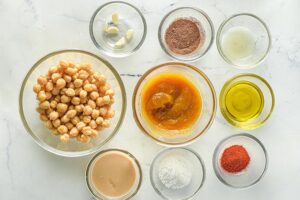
(120,43)
(112,30)
(129,34)
(115,18)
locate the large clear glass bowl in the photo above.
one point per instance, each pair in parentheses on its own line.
(35,127)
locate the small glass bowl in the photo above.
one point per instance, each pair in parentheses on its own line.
(256,167)
(205,119)
(260,33)
(133,190)
(198,174)
(35,127)
(129,18)
(187,13)
(268,106)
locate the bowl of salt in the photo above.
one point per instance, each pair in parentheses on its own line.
(177,173)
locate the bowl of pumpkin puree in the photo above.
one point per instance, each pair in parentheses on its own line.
(174,103)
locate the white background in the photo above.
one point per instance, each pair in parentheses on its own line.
(31,28)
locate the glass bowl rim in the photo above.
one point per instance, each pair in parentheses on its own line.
(220,48)
(172,149)
(204,14)
(181,64)
(238,135)
(228,82)
(121,55)
(46,146)
(121,151)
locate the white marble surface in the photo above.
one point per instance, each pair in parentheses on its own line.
(31,28)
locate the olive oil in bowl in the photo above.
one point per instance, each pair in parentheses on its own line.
(244,101)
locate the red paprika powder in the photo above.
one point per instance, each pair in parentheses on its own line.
(235,159)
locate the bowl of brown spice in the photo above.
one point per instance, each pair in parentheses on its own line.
(186,33)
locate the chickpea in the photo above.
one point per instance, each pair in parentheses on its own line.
(71,113)
(105,123)
(63,91)
(48,95)
(48,124)
(95,114)
(71,71)
(91,79)
(99,101)
(57,99)
(75,120)
(110,92)
(42,80)
(69,125)
(42,96)
(86,130)
(106,99)
(55,77)
(37,88)
(94,133)
(55,91)
(86,119)
(53,104)
(83,138)
(85,66)
(65,99)
(56,123)
(53,115)
(93,124)
(87,110)
(82,74)
(80,125)
(70,92)
(62,108)
(71,85)
(75,101)
(52,70)
(67,78)
(74,132)
(41,111)
(65,138)
(55,132)
(99,120)
(49,86)
(43,117)
(83,101)
(110,114)
(71,64)
(94,95)
(63,64)
(83,94)
(77,91)
(78,83)
(65,119)
(104,88)
(48,111)
(103,111)
(92,104)
(45,105)
(60,83)
(100,78)
(79,108)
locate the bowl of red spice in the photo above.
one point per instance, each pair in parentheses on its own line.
(186,33)
(240,160)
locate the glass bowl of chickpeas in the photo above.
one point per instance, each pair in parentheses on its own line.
(72,102)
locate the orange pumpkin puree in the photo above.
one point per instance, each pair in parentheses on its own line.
(171,101)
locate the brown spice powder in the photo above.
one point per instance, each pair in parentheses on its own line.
(184,36)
